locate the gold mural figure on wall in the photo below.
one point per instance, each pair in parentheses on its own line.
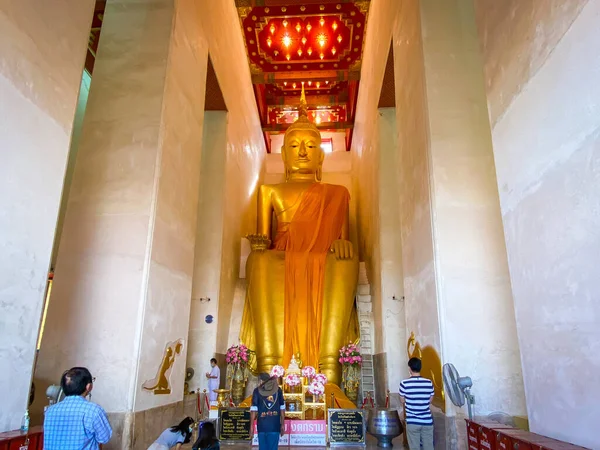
(431,367)
(160,384)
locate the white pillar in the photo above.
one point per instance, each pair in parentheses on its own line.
(458,292)
(123,278)
(42,48)
(209,248)
(392,334)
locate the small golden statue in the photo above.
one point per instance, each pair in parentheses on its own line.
(431,367)
(160,384)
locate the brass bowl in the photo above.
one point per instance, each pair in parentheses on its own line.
(385,425)
(222,397)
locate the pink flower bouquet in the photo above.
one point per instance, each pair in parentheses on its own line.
(277,371)
(320,378)
(350,355)
(237,354)
(308,372)
(292,380)
(316,388)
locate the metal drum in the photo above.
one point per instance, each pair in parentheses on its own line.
(385,425)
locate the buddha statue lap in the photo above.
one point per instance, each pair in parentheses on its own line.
(301,281)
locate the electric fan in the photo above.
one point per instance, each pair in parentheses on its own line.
(458,388)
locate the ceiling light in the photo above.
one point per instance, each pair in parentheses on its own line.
(310,83)
(288,57)
(326,82)
(321,56)
(285,83)
(334,25)
(308,27)
(340,38)
(304,40)
(298,28)
(299,52)
(269,41)
(322,39)
(333,50)
(284,23)
(272,29)
(294,85)
(318,120)
(318,84)
(309,51)
(287,40)
(322,21)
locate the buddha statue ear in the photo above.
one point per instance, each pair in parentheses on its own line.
(287,172)
(319,172)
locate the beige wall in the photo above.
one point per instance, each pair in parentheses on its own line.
(173,228)
(234,191)
(393,316)
(366,164)
(124,270)
(547,153)
(243,175)
(413,174)
(517,36)
(477,320)
(209,247)
(84,92)
(42,52)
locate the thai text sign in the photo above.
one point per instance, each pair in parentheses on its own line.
(309,433)
(346,426)
(234,424)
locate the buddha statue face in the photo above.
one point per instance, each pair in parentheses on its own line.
(302,153)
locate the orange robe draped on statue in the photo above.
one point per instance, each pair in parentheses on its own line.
(306,240)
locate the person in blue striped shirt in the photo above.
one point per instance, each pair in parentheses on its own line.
(76,423)
(416,394)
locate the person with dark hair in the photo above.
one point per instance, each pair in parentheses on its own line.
(175,436)
(214,379)
(268,409)
(416,393)
(207,438)
(76,423)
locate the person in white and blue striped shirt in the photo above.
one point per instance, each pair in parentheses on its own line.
(416,394)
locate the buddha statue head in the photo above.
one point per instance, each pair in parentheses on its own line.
(301,152)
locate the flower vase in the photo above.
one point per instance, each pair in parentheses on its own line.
(238,384)
(351,382)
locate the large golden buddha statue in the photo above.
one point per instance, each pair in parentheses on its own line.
(302,280)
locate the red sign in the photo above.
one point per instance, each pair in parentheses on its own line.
(311,433)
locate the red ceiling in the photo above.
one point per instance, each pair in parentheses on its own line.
(278,115)
(317,44)
(94,35)
(290,43)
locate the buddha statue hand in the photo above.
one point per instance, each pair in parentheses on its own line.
(342,249)
(258,242)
